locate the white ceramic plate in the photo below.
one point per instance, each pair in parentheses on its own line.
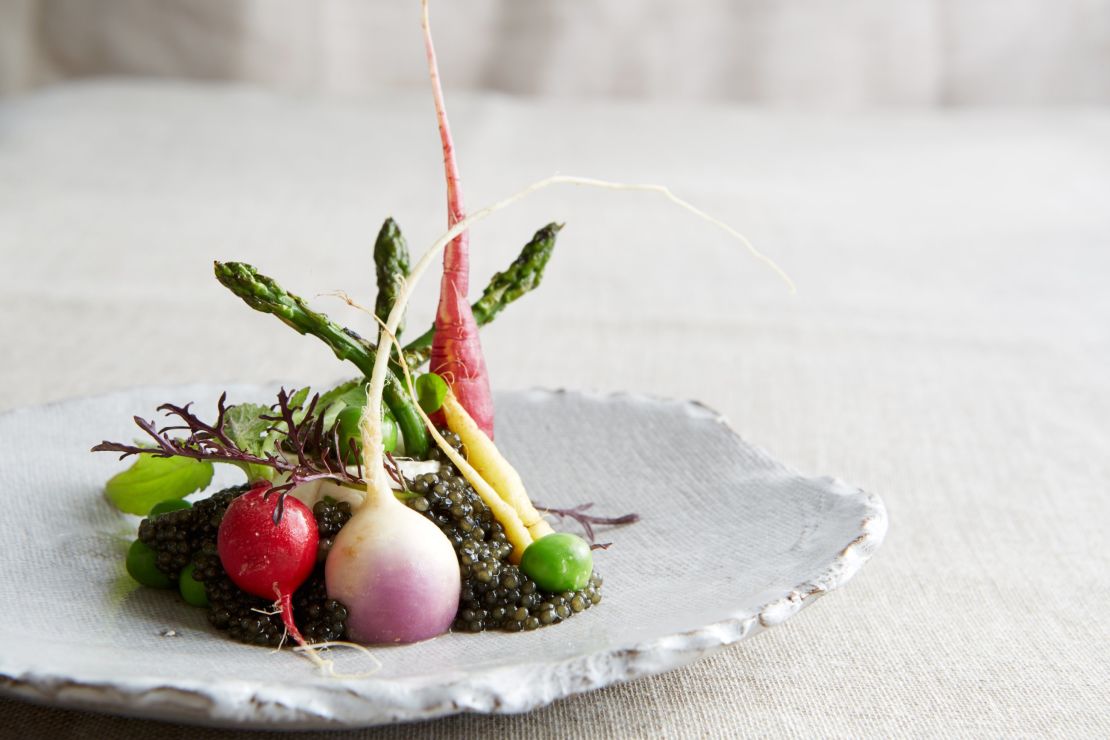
(730,542)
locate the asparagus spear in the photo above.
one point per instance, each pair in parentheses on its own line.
(264,294)
(522,276)
(391,260)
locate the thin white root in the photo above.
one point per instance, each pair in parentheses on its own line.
(516,531)
(684,204)
(346,298)
(372,432)
(327,665)
(274,613)
(324,665)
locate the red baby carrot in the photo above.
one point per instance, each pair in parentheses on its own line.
(456,348)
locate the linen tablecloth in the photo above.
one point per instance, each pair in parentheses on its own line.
(948,348)
(848,53)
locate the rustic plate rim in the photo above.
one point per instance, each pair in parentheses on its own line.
(195,704)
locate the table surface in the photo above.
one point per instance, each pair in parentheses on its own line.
(948,347)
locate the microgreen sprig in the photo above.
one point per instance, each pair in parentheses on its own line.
(306,448)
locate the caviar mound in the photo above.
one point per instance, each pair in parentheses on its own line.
(176,535)
(170,536)
(330,518)
(495,594)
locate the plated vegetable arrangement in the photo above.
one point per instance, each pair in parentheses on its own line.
(379,511)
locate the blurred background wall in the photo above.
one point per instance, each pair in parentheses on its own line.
(809,53)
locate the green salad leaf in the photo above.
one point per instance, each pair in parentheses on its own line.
(248,430)
(344,395)
(351,393)
(152,480)
(285,444)
(298,399)
(253,434)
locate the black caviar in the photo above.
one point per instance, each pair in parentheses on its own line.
(330,518)
(495,593)
(170,536)
(175,535)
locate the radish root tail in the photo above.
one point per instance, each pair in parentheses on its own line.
(327,665)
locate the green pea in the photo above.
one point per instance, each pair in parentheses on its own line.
(558,562)
(431,389)
(172,504)
(141,566)
(348,430)
(191,589)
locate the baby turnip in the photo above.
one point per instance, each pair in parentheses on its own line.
(396,573)
(267,551)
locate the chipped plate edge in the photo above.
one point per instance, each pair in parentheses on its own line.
(250,705)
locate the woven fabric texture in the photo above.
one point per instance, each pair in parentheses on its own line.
(948,349)
(793,53)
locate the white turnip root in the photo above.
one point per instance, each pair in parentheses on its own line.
(396,573)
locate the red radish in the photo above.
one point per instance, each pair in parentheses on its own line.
(266,555)
(456,348)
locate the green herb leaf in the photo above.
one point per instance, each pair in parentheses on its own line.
(344,395)
(311,445)
(253,435)
(298,399)
(249,432)
(351,393)
(152,480)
